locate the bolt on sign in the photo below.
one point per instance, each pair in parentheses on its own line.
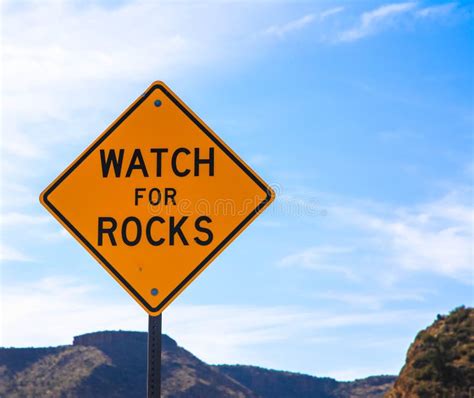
(156,197)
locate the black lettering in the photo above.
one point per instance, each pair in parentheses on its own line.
(204,230)
(148,231)
(111,161)
(170,193)
(176,229)
(158,196)
(125,239)
(138,195)
(198,161)
(137,163)
(174,161)
(159,158)
(109,231)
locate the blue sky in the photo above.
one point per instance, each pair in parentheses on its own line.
(360,114)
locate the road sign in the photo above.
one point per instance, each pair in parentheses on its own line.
(156,197)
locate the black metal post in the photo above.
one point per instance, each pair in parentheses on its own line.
(154,357)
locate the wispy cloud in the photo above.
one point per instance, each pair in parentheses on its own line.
(321,258)
(372,21)
(386,242)
(388,16)
(215,333)
(64,303)
(330,12)
(372,301)
(432,237)
(23,220)
(297,24)
(16,195)
(8,253)
(26,226)
(301,23)
(436,11)
(238,330)
(19,145)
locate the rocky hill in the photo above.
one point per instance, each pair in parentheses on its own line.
(113,364)
(440,362)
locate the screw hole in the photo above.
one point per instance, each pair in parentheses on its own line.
(154,291)
(157,103)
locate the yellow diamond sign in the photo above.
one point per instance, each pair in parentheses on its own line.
(156,197)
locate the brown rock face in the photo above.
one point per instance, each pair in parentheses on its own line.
(440,362)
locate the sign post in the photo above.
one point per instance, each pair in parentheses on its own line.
(154,357)
(155,199)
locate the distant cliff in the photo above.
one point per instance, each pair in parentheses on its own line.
(113,364)
(440,362)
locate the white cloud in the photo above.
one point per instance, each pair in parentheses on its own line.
(55,236)
(436,11)
(215,333)
(331,12)
(23,220)
(301,23)
(19,145)
(374,301)
(15,195)
(10,254)
(233,334)
(321,258)
(52,51)
(67,307)
(38,228)
(297,24)
(383,242)
(433,237)
(372,21)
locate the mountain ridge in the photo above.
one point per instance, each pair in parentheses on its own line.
(113,364)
